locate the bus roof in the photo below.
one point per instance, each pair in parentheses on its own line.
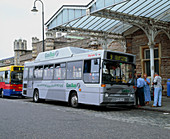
(69,54)
(9,67)
(60,53)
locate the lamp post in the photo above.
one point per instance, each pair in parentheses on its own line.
(35,10)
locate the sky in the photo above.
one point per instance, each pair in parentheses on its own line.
(18,22)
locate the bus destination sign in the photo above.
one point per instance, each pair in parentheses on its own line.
(18,68)
(119,57)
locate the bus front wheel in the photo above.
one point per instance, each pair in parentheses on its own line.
(36,96)
(74,100)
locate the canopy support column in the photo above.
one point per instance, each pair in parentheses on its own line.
(151,33)
(151,44)
(104,42)
(151,47)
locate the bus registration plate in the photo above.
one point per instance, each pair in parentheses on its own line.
(120,99)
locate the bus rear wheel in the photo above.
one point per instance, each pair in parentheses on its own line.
(2,94)
(74,100)
(36,96)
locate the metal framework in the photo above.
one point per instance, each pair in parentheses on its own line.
(111,18)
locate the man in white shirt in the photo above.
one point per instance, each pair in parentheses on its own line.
(157,90)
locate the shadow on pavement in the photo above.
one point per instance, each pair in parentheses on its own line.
(81,106)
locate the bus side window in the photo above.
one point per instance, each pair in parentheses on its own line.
(1,76)
(60,71)
(25,73)
(7,76)
(91,71)
(38,72)
(95,63)
(87,66)
(74,70)
(48,72)
(31,73)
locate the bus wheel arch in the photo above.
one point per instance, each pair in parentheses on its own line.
(73,99)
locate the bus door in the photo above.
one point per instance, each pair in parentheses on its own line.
(7,85)
(30,82)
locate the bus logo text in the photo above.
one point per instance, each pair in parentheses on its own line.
(51,54)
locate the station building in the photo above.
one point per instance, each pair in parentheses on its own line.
(141,27)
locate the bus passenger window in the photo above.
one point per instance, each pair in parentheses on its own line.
(1,76)
(38,72)
(74,70)
(7,76)
(48,72)
(30,73)
(87,66)
(91,71)
(59,71)
(25,73)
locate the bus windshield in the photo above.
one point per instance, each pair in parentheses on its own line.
(117,73)
(16,77)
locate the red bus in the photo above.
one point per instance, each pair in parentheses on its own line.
(11,78)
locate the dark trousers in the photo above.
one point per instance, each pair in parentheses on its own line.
(136,96)
(140,95)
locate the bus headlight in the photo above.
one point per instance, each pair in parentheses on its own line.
(131,95)
(13,89)
(106,95)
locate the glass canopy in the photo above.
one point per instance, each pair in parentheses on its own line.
(111,16)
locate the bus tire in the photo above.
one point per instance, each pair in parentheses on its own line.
(2,93)
(74,100)
(36,96)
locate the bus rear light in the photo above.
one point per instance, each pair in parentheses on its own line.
(103,85)
(106,95)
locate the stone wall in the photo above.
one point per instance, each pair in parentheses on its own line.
(116,46)
(26,57)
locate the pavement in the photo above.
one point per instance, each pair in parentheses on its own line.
(165,106)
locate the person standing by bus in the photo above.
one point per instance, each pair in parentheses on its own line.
(140,90)
(147,90)
(135,87)
(157,90)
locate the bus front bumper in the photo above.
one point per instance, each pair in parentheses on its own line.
(10,92)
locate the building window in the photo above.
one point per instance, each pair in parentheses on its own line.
(146,60)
